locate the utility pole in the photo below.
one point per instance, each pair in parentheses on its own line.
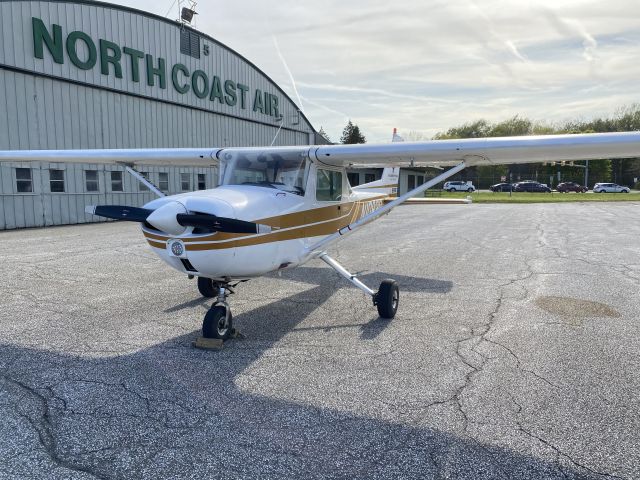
(586,174)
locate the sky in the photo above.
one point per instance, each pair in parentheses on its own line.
(424,66)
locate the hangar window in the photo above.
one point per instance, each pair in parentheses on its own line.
(91,180)
(116,182)
(411,182)
(24,183)
(369,177)
(185,182)
(143,187)
(202,181)
(163,181)
(420,179)
(354,179)
(189,43)
(329,186)
(56,180)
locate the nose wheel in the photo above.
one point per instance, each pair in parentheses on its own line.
(218,322)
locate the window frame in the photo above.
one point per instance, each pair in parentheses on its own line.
(141,186)
(56,181)
(355,175)
(121,181)
(332,172)
(86,181)
(204,181)
(182,177)
(161,181)
(23,180)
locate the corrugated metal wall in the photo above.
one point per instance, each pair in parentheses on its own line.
(42,208)
(48,105)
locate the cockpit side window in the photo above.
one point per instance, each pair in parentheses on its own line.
(328,186)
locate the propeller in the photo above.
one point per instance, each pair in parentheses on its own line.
(169,218)
(119,212)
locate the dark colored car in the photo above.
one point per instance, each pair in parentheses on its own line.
(501,187)
(531,187)
(565,187)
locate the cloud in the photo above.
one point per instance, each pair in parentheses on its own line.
(427,65)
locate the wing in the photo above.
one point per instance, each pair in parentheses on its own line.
(197,157)
(486,151)
(437,153)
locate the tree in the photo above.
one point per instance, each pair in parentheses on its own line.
(351,134)
(415,136)
(324,135)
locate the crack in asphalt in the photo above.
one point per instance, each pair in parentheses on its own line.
(42,424)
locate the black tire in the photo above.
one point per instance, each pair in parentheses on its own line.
(451,190)
(469,190)
(206,288)
(387,299)
(215,325)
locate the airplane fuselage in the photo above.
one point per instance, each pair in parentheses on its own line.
(296,221)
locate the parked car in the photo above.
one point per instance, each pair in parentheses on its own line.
(459,187)
(610,188)
(531,186)
(566,187)
(501,187)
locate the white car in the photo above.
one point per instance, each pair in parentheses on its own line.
(610,188)
(459,187)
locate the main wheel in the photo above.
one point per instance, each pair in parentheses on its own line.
(387,298)
(469,190)
(206,288)
(216,324)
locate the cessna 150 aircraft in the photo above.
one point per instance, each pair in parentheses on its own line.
(279,207)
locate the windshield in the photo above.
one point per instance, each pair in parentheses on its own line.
(283,169)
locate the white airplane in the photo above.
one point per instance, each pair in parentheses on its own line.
(279,207)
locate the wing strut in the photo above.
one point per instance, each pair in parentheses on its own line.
(316,250)
(145,181)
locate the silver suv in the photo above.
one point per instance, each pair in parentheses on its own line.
(610,188)
(459,187)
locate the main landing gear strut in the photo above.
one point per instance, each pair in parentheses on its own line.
(385,299)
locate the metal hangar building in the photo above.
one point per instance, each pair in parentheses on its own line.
(83,75)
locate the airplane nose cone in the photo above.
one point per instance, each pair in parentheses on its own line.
(164,218)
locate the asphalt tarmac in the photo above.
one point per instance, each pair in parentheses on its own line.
(515,354)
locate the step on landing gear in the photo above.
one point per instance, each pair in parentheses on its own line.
(387,297)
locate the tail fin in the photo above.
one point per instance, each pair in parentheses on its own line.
(388,183)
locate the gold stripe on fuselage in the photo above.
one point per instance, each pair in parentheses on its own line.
(308,223)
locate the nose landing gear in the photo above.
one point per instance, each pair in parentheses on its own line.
(218,322)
